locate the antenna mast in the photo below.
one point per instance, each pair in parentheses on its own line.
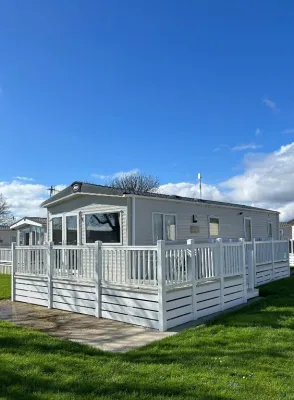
(200,184)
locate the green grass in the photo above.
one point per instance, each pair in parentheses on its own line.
(247,354)
(5,286)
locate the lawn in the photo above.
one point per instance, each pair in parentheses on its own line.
(247,354)
(5,286)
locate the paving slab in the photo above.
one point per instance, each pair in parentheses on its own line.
(101,333)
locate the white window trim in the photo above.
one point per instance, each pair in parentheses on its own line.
(52,216)
(120,212)
(216,217)
(250,219)
(163,226)
(74,214)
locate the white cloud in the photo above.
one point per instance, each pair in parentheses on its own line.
(23,178)
(249,146)
(266,182)
(25,198)
(216,149)
(257,132)
(115,175)
(288,131)
(270,104)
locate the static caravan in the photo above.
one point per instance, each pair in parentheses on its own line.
(30,231)
(83,213)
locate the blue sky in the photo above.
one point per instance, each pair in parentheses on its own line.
(167,87)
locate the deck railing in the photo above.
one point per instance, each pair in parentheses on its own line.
(173,265)
(5,255)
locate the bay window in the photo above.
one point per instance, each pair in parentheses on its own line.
(72,230)
(104,227)
(57,230)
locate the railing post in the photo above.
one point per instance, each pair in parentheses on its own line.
(13,270)
(49,273)
(194,275)
(254,261)
(98,277)
(250,257)
(221,271)
(243,260)
(161,274)
(273,259)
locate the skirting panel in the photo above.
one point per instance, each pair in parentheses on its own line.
(179,309)
(33,291)
(73,296)
(130,306)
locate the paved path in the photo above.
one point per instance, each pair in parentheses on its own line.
(102,333)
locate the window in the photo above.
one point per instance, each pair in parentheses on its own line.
(247,229)
(72,230)
(213,226)
(157,227)
(164,227)
(13,239)
(57,230)
(270,230)
(104,227)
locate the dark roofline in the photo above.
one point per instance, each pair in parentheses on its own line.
(90,188)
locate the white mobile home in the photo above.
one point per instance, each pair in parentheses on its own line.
(147,258)
(30,231)
(83,213)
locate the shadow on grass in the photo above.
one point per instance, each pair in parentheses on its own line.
(193,364)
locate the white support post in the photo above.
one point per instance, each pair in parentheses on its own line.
(254,261)
(273,260)
(161,274)
(49,273)
(13,270)
(221,271)
(194,275)
(243,260)
(250,256)
(98,277)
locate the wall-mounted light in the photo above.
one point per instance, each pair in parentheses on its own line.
(240,213)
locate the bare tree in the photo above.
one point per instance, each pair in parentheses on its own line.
(136,183)
(5,213)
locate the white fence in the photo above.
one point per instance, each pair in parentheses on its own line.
(5,260)
(156,286)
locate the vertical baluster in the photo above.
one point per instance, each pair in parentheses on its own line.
(144,266)
(148,267)
(154,261)
(182,253)
(139,267)
(133,277)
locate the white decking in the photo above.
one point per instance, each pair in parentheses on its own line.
(155,286)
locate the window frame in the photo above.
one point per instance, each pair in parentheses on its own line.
(104,212)
(251,235)
(76,214)
(209,233)
(163,226)
(62,228)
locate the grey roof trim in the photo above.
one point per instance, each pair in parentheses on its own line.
(159,196)
(79,188)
